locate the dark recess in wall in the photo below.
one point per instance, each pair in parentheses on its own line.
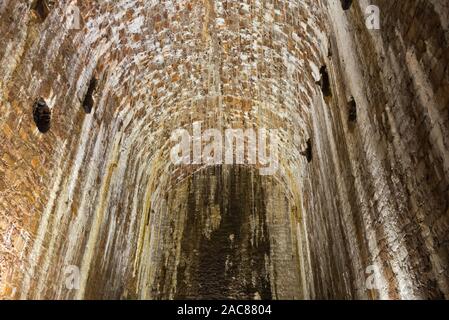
(42,115)
(88,102)
(41,8)
(308,151)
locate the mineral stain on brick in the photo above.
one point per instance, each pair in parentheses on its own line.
(352,110)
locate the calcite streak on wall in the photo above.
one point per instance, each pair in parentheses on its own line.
(382,148)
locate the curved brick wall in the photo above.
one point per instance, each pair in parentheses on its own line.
(99,192)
